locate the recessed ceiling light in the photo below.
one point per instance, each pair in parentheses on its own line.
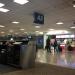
(11,31)
(37,26)
(22,29)
(4,10)
(36,31)
(2,32)
(40,32)
(73,3)
(8,34)
(74,6)
(1,4)
(73,27)
(2,26)
(15,22)
(59,23)
(21,1)
(16,33)
(25,32)
(51,29)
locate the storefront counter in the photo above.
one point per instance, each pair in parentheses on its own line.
(73,48)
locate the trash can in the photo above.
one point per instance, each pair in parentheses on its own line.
(28,54)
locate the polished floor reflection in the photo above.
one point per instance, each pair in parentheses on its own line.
(60,59)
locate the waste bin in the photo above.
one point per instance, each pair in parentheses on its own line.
(28,55)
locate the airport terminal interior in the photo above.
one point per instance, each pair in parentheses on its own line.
(37,37)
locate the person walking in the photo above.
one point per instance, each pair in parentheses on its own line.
(48,44)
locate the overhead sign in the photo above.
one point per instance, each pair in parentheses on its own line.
(38,18)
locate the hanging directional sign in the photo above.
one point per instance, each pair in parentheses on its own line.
(38,18)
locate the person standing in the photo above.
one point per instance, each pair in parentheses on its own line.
(48,44)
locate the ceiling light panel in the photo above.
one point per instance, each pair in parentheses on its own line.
(2,26)
(11,31)
(2,32)
(4,10)
(15,22)
(22,2)
(36,31)
(16,33)
(1,4)
(37,26)
(51,29)
(74,6)
(59,23)
(73,3)
(72,27)
(25,32)
(22,29)
(40,32)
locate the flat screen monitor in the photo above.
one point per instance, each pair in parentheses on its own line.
(38,18)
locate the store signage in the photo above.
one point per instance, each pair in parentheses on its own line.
(65,36)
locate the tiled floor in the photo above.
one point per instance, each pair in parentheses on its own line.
(43,69)
(46,64)
(60,59)
(6,69)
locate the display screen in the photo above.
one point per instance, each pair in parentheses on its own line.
(38,18)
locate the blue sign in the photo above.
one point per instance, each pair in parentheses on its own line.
(39,41)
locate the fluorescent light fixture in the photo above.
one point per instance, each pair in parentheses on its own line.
(22,2)
(37,26)
(59,23)
(2,32)
(1,4)
(15,22)
(22,29)
(4,10)
(72,27)
(2,26)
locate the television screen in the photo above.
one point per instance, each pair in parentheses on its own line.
(38,18)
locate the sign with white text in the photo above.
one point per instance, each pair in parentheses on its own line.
(38,18)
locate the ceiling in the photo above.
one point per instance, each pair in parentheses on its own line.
(53,10)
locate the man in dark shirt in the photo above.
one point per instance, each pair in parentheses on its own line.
(48,45)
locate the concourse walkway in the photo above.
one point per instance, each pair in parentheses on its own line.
(47,64)
(63,59)
(43,69)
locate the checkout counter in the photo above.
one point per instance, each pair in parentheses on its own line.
(19,54)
